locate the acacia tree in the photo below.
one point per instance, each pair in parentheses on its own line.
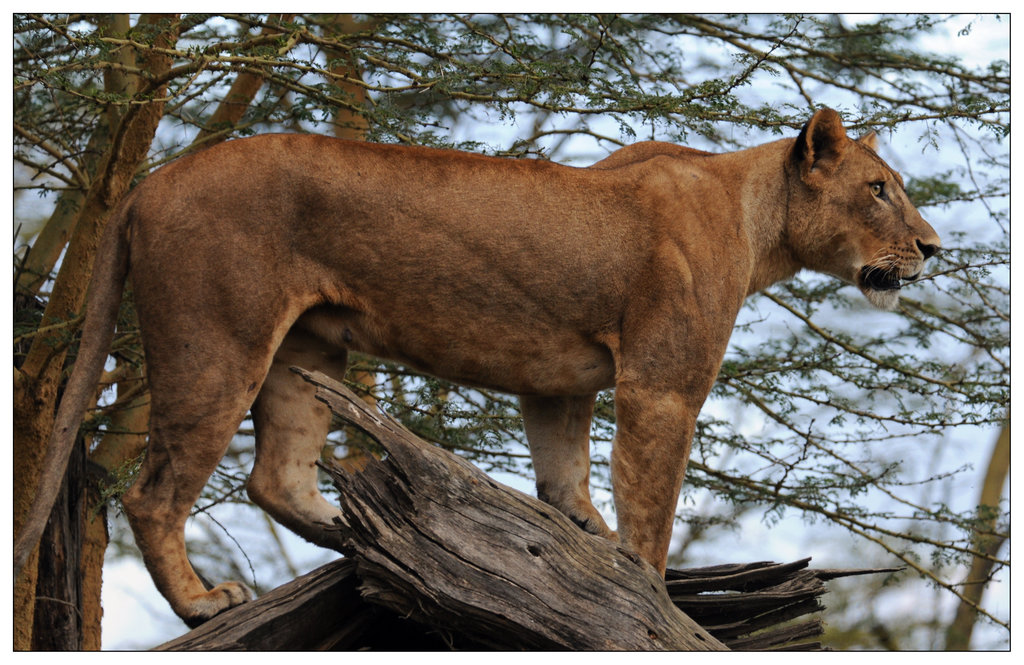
(823,410)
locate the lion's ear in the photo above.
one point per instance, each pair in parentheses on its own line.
(870,140)
(820,146)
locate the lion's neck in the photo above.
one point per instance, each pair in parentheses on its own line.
(763,193)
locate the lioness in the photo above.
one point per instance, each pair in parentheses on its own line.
(528,277)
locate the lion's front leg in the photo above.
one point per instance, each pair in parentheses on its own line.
(654,429)
(558,431)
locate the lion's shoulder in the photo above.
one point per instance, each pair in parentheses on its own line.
(644,150)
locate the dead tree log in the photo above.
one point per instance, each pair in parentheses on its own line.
(318,611)
(440,556)
(748,607)
(755,606)
(438,541)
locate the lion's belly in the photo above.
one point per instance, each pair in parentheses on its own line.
(575,370)
(493,352)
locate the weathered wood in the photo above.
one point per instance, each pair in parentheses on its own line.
(438,540)
(750,606)
(441,557)
(325,610)
(319,610)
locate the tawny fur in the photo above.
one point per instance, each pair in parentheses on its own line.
(537,279)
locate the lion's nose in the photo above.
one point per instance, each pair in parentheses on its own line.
(928,250)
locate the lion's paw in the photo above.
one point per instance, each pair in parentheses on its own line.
(218,599)
(593,524)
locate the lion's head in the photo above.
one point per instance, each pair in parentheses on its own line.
(849,215)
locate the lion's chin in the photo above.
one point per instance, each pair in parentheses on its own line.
(882,287)
(887,300)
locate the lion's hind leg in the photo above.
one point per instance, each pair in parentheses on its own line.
(291,430)
(188,437)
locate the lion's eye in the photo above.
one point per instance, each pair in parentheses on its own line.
(876,189)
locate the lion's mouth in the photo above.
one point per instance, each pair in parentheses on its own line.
(881,279)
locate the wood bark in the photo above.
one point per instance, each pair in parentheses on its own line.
(58,619)
(319,610)
(748,607)
(437,540)
(440,556)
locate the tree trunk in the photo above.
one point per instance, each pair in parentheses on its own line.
(986,542)
(36,382)
(58,608)
(93,553)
